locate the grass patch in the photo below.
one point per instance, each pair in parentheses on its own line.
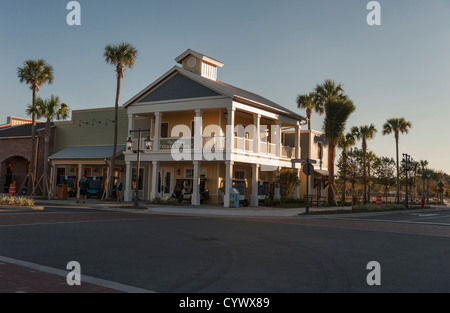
(367,208)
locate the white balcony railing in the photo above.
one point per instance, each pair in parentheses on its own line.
(218,143)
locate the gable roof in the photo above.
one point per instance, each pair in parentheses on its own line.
(221,88)
(179,86)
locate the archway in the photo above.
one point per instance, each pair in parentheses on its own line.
(15,169)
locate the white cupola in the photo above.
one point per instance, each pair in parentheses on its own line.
(199,63)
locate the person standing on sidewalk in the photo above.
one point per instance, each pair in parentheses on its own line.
(84,187)
(118,187)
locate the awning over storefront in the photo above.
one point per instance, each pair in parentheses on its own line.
(322,173)
(87,153)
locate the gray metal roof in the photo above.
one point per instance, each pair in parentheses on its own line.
(221,88)
(86,152)
(241,93)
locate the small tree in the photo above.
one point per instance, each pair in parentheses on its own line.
(286,179)
(384,171)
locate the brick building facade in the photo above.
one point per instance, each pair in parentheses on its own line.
(15,154)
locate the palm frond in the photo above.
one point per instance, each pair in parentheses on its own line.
(337,114)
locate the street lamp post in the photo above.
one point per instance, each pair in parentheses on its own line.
(130,145)
(406,163)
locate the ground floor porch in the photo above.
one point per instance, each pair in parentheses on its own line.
(165,179)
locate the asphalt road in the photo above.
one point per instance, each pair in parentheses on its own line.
(215,255)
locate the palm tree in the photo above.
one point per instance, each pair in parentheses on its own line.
(307,102)
(327,91)
(345,143)
(396,126)
(337,114)
(364,133)
(35,74)
(50,109)
(330,94)
(122,56)
(370,159)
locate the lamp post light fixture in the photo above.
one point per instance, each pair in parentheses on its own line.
(130,145)
(406,164)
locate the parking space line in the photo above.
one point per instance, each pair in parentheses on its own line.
(84,278)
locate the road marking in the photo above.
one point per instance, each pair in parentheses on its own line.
(85,278)
(424,215)
(386,221)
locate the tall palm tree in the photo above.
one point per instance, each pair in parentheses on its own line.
(50,109)
(122,56)
(328,90)
(306,101)
(345,142)
(330,94)
(34,73)
(397,126)
(364,133)
(370,160)
(337,113)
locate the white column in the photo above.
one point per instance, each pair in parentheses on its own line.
(297,141)
(155,176)
(198,136)
(257,135)
(228,182)
(128,193)
(80,175)
(230,132)
(255,182)
(130,122)
(196,184)
(279,145)
(157,132)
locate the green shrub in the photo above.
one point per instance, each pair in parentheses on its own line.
(16,201)
(271,202)
(289,202)
(157,200)
(374,207)
(166,200)
(170,201)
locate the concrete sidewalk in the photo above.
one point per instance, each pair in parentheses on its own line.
(205,209)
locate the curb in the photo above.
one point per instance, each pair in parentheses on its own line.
(22,208)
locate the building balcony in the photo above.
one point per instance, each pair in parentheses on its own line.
(218,143)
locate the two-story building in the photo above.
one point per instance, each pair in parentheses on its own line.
(201,127)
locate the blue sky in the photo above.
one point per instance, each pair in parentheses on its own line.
(278,49)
